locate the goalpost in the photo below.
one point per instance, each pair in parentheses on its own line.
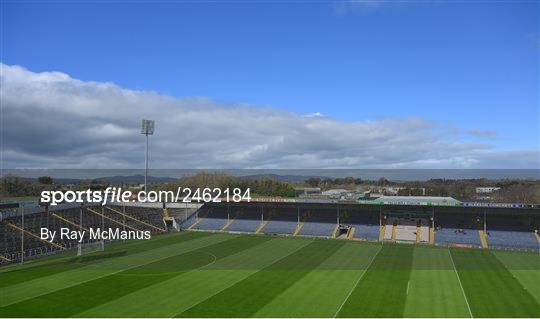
(88,248)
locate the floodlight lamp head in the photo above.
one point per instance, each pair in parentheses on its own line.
(147,127)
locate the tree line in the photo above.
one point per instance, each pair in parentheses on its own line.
(262,186)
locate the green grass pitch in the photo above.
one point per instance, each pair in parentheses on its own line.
(195,274)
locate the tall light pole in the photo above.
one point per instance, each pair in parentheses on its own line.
(146,129)
(22,233)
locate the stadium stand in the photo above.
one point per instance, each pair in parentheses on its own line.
(508,228)
(512,239)
(190,221)
(245,221)
(318,224)
(182,214)
(365,223)
(215,219)
(406,229)
(281,222)
(457,229)
(514,232)
(73,217)
(389,229)
(152,216)
(424,230)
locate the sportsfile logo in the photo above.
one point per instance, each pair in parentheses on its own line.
(113,194)
(110,194)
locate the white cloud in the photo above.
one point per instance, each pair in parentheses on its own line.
(362,7)
(482,133)
(316,114)
(52,120)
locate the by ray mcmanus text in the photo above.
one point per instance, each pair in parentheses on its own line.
(79,235)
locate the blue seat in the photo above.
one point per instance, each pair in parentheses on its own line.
(210,223)
(317,229)
(453,236)
(244,225)
(286,227)
(512,239)
(188,222)
(369,232)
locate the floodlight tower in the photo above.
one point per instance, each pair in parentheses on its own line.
(147,128)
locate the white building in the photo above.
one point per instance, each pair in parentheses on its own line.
(486,190)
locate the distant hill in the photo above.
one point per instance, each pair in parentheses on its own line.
(136,179)
(281,178)
(130,179)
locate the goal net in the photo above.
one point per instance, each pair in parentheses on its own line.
(88,248)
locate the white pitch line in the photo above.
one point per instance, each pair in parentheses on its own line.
(460,285)
(408,283)
(356,283)
(239,280)
(116,271)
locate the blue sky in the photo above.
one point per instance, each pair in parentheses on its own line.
(472,67)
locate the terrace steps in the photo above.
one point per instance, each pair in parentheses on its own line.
(197,222)
(261,226)
(230,221)
(227,224)
(135,219)
(382,231)
(68,221)
(350,232)
(31,234)
(119,223)
(298,228)
(334,232)
(483,239)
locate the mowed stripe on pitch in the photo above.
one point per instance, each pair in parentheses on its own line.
(187,290)
(245,298)
(68,261)
(525,267)
(434,289)
(90,294)
(492,291)
(41,286)
(321,292)
(382,290)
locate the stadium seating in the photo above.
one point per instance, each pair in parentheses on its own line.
(11,231)
(211,224)
(366,224)
(281,221)
(503,230)
(457,236)
(317,229)
(368,232)
(318,224)
(245,222)
(153,216)
(512,239)
(511,232)
(457,229)
(189,222)
(213,220)
(182,214)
